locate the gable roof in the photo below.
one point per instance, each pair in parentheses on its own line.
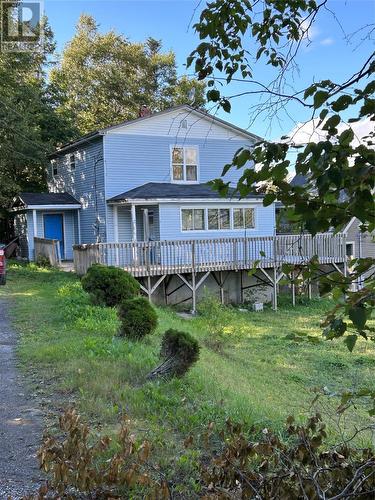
(189,109)
(29,200)
(170,191)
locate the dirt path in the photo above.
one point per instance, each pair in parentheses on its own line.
(20,420)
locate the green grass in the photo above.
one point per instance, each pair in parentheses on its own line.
(248,371)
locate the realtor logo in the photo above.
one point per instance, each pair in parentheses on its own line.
(20,26)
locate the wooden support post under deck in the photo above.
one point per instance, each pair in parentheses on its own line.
(293,290)
(221,288)
(275,288)
(241,285)
(309,288)
(149,289)
(193,283)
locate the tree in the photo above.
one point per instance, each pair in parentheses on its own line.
(103,79)
(341,172)
(29,126)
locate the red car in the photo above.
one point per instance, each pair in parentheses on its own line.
(3,276)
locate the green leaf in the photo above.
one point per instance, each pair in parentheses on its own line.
(358,316)
(346,137)
(342,103)
(320,98)
(269,199)
(350,341)
(226,105)
(213,95)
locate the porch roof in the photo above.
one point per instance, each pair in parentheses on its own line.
(45,201)
(164,191)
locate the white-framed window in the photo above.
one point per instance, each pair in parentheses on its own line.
(243,218)
(184,163)
(193,219)
(72,162)
(54,167)
(218,219)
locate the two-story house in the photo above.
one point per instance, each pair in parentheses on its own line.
(143,180)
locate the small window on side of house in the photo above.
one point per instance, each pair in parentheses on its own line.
(54,168)
(72,162)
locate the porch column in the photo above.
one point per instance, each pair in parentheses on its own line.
(115,233)
(79,226)
(134,223)
(35,224)
(115,223)
(35,230)
(134,232)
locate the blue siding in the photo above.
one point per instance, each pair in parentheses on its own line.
(81,182)
(133,160)
(170,222)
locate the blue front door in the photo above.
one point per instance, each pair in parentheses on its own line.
(54,229)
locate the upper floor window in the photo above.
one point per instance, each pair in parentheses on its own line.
(72,162)
(54,167)
(184,164)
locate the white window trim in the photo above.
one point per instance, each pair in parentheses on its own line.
(204,218)
(231,229)
(54,165)
(72,155)
(185,146)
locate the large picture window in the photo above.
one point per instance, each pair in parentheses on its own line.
(185,164)
(193,219)
(217,219)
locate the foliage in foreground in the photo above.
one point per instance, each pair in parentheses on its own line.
(138,318)
(109,285)
(301,467)
(180,351)
(77,462)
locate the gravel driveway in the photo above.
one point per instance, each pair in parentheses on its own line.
(20,420)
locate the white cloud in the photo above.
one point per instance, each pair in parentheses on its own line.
(327,41)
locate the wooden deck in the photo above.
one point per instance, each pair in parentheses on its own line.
(161,258)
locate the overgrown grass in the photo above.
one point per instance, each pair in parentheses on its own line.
(247,369)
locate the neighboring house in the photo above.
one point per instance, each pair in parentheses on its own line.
(142,180)
(358,244)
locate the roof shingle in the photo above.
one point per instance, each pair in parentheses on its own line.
(160,190)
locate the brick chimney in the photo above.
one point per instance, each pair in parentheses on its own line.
(144,111)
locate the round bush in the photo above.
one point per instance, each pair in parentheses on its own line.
(109,285)
(138,318)
(182,346)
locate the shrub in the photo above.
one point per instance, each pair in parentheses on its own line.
(109,285)
(138,318)
(180,351)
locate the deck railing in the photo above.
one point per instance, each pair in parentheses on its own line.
(179,256)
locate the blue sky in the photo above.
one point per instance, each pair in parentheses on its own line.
(327,56)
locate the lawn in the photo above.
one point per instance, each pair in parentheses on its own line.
(248,371)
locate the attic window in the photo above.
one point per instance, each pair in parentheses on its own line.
(184,124)
(72,162)
(54,167)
